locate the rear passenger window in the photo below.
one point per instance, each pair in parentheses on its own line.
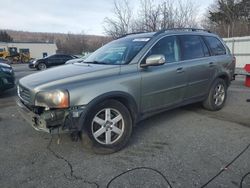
(191,47)
(215,45)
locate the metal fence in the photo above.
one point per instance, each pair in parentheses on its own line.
(240,47)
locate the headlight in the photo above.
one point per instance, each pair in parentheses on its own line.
(52,99)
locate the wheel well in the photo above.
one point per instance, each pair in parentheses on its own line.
(226,78)
(42,62)
(129,104)
(125,99)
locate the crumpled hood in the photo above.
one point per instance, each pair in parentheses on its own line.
(67,74)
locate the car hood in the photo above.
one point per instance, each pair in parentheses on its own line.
(66,75)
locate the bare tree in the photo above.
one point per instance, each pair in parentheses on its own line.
(152,16)
(149,16)
(168,15)
(186,14)
(120,24)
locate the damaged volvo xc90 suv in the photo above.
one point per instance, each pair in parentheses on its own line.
(127,80)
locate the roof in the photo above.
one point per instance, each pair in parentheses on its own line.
(139,35)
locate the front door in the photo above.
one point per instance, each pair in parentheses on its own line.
(163,85)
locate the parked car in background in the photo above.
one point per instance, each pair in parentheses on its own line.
(50,61)
(7,78)
(4,61)
(126,81)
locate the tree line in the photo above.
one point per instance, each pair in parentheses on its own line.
(5,37)
(66,43)
(228,18)
(77,44)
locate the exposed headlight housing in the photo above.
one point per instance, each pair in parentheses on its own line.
(52,99)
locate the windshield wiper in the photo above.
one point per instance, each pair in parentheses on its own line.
(95,62)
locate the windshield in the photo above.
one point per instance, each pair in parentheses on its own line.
(117,52)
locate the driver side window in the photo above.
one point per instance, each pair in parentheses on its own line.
(167,46)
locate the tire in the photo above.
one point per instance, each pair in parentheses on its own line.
(217,96)
(109,126)
(41,66)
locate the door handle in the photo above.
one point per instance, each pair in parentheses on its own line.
(179,70)
(211,64)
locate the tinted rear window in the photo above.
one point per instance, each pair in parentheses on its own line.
(216,46)
(191,47)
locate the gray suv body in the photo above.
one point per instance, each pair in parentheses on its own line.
(127,80)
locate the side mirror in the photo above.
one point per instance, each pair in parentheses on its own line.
(154,60)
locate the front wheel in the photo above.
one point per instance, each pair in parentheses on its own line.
(41,66)
(217,96)
(109,126)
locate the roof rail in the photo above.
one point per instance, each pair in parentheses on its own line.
(130,34)
(181,29)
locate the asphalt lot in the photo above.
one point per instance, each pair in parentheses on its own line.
(188,146)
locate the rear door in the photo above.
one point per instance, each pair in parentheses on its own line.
(60,60)
(164,85)
(54,60)
(199,66)
(220,56)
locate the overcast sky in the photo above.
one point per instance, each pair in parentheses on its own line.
(63,16)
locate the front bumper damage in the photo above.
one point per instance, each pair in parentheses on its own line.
(53,121)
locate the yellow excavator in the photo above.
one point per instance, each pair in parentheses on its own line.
(3,53)
(13,56)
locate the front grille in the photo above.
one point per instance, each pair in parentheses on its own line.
(24,94)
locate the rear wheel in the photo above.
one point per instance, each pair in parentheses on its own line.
(109,126)
(41,66)
(217,95)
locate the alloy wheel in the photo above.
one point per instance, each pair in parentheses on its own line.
(107,126)
(219,94)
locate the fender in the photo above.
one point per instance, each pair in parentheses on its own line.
(125,98)
(224,76)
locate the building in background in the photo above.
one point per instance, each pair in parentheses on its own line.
(35,49)
(240,48)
